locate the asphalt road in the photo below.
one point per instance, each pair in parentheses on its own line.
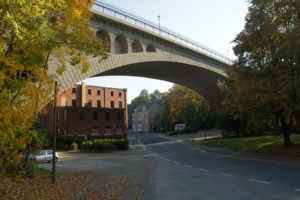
(185,174)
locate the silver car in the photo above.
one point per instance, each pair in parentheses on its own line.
(46,156)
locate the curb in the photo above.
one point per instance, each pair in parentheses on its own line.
(242,155)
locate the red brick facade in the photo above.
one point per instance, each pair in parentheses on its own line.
(98,112)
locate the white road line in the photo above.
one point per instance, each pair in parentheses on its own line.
(229,175)
(176,163)
(188,166)
(167,160)
(143,146)
(258,181)
(204,170)
(297,189)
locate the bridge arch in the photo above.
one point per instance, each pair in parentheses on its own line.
(104,36)
(150,48)
(121,45)
(136,46)
(199,76)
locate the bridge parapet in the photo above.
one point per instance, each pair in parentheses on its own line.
(157,29)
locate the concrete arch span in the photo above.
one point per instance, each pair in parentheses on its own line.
(195,74)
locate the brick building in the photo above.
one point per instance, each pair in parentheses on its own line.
(90,112)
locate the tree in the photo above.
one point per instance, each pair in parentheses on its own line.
(156,96)
(263,86)
(183,105)
(32,32)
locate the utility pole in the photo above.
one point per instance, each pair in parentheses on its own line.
(54,135)
(158,17)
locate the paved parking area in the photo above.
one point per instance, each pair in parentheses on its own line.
(129,173)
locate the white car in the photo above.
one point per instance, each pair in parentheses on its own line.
(46,156)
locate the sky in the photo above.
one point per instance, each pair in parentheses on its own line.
(212,23)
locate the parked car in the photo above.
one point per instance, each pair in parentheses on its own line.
(46,156)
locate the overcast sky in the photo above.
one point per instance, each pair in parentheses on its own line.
(213,23)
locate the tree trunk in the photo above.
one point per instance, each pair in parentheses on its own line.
(287,140)
(286,131)
(27,158)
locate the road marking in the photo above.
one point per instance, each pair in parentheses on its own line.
(176,163)
(297,189)
(229,175)
(143,146)
(188,166)
(167,160)
(204,170)
(258,181)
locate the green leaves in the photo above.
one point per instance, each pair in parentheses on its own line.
(263,85)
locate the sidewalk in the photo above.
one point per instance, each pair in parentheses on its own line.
(221,151)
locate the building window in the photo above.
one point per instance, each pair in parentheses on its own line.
(107,126)
(120,104)
(112,104)
(73,90)
(89,91)
(112,93)
(107,116)
(98,92)
(119,116)
(73,102)
(81,115)
(98,103)
(89,104)
(95,116)
(120,94)
(119,126)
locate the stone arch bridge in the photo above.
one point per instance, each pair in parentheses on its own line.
(140,48)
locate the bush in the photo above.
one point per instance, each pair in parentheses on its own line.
(104,145)
(74,146)
(121,144)
(66,143)
(31,169)
(172,133)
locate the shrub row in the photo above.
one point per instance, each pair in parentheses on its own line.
(67,143)
(104,145)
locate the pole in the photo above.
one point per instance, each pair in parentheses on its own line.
(192,131)
(158,22)
(136,135)
(54,135)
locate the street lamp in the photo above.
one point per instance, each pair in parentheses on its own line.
(158,17)
(54,134)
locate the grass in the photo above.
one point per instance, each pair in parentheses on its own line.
(262,144)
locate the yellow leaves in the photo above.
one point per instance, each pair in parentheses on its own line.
(31,32)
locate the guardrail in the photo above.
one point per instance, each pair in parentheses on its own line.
(150,26)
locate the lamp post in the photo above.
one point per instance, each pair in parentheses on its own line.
(158,17)
(54,134)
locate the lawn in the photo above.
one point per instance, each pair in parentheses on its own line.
(263,144)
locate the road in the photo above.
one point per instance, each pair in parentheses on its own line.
(184,173)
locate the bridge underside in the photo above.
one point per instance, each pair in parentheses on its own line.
(199,79)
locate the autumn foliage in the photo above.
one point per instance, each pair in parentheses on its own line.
(183,105)
(32,33)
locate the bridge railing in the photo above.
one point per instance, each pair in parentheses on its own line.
(150,26)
